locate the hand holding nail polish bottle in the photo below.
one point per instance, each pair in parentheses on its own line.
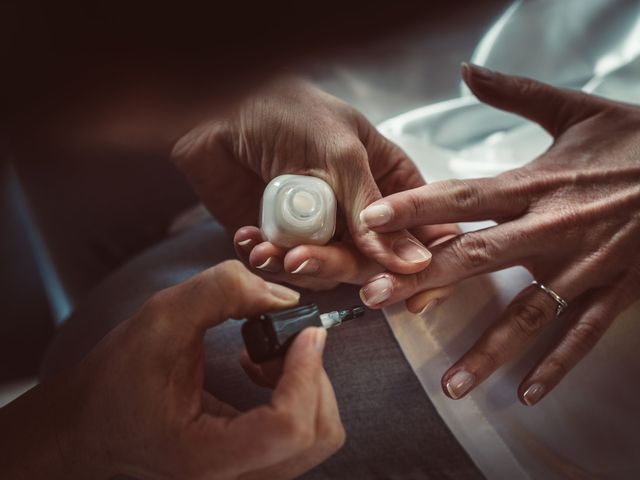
(296,210)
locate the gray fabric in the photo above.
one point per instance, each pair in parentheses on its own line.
(393,430)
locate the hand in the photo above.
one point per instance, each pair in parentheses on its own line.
(292,127)
(571,217)
(136,404)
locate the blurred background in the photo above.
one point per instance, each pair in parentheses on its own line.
(61,225)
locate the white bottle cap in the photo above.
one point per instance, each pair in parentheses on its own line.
(296,210)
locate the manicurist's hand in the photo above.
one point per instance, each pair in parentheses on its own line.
(291,127)
(571,217)
(136,404)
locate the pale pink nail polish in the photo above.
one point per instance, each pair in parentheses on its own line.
(411,251)
(533,394)
(376,215)
(460,383)
(376,291)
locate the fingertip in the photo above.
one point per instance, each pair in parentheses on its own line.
(377,215)
(412,252)
(246,238)
(459,383)
(377,291)
(266,257)
(532,393)
(307,346)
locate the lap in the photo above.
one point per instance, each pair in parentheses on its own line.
(393,430)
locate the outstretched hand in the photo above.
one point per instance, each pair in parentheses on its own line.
(571,217)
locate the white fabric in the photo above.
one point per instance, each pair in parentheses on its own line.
(586,428)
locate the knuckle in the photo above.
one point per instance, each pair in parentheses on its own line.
(230,268)
(586,335)
(558,366)
(299,434)
(196,143)
(334,437)
(527,319)
(417,203)
(350,151)
(159,302)
(465,195)
(473,250)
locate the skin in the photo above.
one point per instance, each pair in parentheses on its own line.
(571,217)
(136,405)
(292,127)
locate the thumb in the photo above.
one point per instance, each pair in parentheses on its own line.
(554,109)
(227,290)
(357,188)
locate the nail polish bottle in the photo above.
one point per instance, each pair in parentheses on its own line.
(297,210)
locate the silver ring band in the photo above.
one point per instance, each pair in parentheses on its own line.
(562,303)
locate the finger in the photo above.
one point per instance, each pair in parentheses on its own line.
(265,374)
(403,176)
(287,427)
(356,188)
(591,322)
(267,257)
(427,300)
(456,259)
(554,109)
(244,240)
(224,291)
(447,202)
(432,235)
(336,261)
(521,323)
(247,238)
(330,437)
(254,372)
(212,406)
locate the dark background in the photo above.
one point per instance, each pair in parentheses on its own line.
(382,79)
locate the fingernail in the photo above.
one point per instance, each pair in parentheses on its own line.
(479,71)
(460,383)
(270,265)
(429,306)
(308,267)
(376,292)
(246,244)
(376,215)
(411,251)
(283,293)
(533,394)
(320,340)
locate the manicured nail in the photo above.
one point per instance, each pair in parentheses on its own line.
(283,293)
(460,383)
(320,339)
(270,265)
(308,267)
(533,394)
(479,71)
(429,306)
(246,245)
(376,215)
(376,292)
(411,251)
